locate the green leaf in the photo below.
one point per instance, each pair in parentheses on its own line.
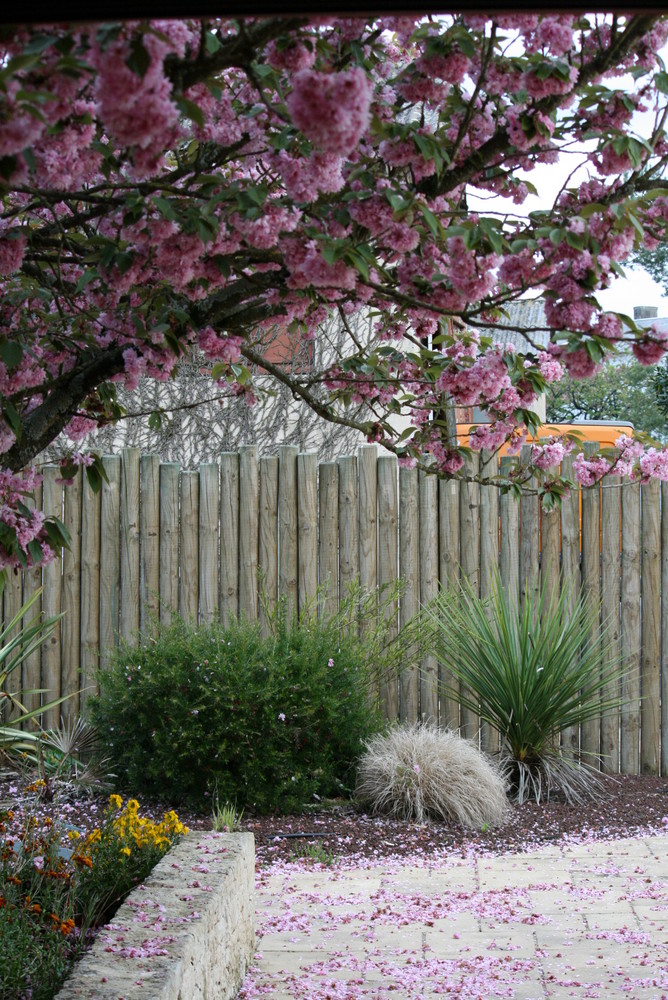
(211,42)
(11,352)
(155,420)
(89,275)
(139,58)
(190,110)
(661,81)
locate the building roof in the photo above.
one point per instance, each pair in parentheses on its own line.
(527,313)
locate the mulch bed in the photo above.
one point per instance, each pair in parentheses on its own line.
(631,805)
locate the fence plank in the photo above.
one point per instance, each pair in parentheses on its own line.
(611,571)
(328,544)
(169,541)
(129,601)
(70,680)
(631,553)
(448,545)
(549,549)
(288,567)
(12,598)
(529,538)
(469,547)
(189,547)
(409,570)
(248,530)
(32,665)
(664,628)
(428,544)
(650,603)
(591,586)
(307,527)
(388,566)
(489,562)
(509,553)
(368,505)
(149,540)
(209,559)
(110,553)
(90,591)
(570,573)
(268,537)
(229,536)
(349,566)
(52,504)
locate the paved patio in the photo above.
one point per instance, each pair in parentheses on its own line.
(585,920)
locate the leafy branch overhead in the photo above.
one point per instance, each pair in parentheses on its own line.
(213,185)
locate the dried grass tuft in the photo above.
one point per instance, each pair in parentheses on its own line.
(420,772)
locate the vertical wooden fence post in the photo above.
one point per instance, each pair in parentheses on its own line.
(489,562)
(32,581)
(11,600)
(529,538)
(129,602)
(229,536)
(631,551)
(268,538)
(189,547)
(70,681)
(368,524)
(409,571)
(650,603)
(611,572)
(469,547)
(90,591)
(509,542)
(428,568)
(169,541)
(248,530)
(307,528)
(149,540)
(110,556)
(52,503)
(570,574)
(328,544)
(288,568)
(349,566)
(388,566)
(591,585)
(209,557)
(448,544)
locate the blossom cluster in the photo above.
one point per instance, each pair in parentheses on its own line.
(184,186)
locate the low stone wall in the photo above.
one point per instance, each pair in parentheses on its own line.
(188,933)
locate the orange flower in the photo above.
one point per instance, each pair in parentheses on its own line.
(83,859)
(67,926)
(36,908)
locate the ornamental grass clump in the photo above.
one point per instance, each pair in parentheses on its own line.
(421,772)
(531,672)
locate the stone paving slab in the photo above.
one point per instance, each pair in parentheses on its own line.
(585,920)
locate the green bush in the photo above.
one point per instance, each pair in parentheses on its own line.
(263,722)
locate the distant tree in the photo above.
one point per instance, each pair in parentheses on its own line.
(655,262)
(622,390)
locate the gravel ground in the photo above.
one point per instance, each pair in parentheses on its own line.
(630,806)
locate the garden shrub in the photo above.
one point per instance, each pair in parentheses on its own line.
(263,721)
(420,772)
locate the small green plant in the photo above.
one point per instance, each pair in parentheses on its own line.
(421,772)
(265,721)
(225,818)
(313,852)
(530,672)
(17,643)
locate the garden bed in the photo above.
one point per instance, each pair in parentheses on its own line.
(187,932)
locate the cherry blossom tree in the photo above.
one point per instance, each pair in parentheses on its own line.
(172,185)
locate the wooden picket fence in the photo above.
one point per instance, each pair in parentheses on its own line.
(158,540)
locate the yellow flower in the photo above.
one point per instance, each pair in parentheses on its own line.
(132,805)
(115,801)
(126,851)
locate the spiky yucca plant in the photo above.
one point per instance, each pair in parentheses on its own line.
(530,672)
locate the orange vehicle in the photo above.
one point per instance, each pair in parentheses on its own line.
(604,432)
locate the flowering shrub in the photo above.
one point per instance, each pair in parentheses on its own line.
(264,722)
(114,858)
(55,888)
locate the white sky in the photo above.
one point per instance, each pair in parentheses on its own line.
(639,288)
